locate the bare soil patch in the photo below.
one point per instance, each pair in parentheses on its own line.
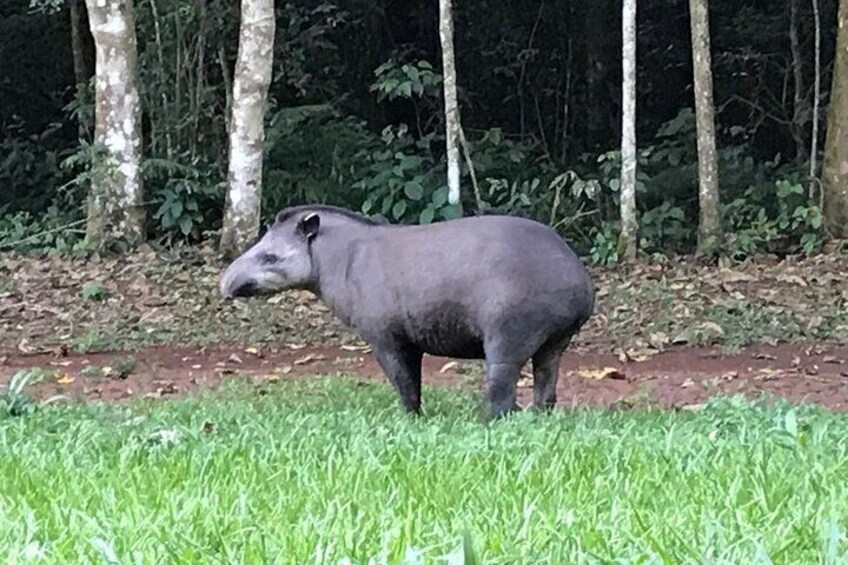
(676,378)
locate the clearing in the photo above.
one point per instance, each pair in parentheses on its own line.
(281,442)
(669,333)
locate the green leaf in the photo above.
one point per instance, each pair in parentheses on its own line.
(387,204)
(426,216)
(176,208)
(450,212)
(413,190)
(790,423)
(186,224)
(398,209)
(440,196)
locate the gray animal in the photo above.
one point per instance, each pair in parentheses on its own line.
(499,288)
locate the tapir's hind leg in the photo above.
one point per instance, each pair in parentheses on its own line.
(546,371)
(402,365)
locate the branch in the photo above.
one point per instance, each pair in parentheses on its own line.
(466,152)
(13,244)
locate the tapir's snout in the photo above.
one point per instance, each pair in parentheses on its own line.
(236,282)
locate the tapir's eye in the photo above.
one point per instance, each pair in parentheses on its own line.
(268,258)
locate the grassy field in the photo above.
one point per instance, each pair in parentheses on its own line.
(330,471)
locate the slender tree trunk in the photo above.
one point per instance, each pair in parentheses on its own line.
(116,209)
(81,71)
(814,134)
(799,103)
(835,165)
(599,102)
(251,80)
(629,226)
(452,123)
(709,229)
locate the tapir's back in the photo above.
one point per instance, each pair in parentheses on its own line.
(481,260)
(481,246)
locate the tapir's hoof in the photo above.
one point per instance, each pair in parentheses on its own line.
(490,415)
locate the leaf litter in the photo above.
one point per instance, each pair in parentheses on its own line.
(147,299)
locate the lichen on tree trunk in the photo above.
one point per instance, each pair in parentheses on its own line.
(251,80)
(709,229)
(629,226)
(115,205)
(452,122)
(835,165)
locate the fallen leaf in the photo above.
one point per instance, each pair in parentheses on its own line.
(713,328)
(768,374)
(687,383)
(793,279)
(732,276)
(65,379)
(449,366)
(832,360)
(658,340)
(761,355)
(602,373)
(356,348)
(234,359)
(682,338)
(253,351)
(309,358)
(640,355)
(167,388)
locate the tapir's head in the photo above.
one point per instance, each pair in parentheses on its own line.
(280,260)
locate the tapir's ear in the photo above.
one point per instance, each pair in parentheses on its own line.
(308,225)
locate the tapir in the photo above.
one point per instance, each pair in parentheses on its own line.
(495,287)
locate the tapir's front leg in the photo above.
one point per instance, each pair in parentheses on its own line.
(501,394)
(402,365)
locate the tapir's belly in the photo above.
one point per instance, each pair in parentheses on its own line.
(446,331)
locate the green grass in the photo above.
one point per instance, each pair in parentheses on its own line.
(320,471)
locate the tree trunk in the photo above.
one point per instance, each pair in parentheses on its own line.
(81,71)
(599,101)
(814,133)
(251,80)
(452,123)
(708,226)
(116,209)
(835,165)
(629,226)
(800,110)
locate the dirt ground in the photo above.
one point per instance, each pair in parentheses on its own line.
(676,378)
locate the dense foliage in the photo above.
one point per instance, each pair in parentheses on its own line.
(356,117)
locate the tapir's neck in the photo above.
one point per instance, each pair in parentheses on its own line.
(333,254)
